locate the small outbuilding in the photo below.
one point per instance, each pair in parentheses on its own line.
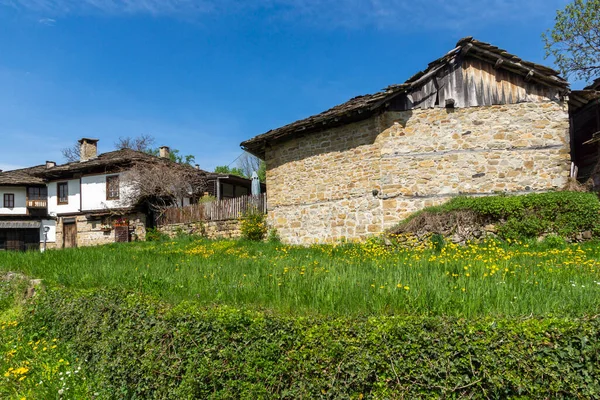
(477,121)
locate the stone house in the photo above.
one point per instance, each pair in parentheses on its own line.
(477,121)
(92,201)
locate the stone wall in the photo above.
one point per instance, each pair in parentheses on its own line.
(321,186)
(89,232)
(229,229)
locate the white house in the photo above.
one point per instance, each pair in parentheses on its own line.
(88,202)
(24,223)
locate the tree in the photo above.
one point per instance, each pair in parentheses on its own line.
(139,143)
(249,163)
(575,39)
(225,169)
(162,185)
(175,156)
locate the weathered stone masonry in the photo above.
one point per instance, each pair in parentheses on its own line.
(321,185)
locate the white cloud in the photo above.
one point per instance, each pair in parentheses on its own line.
(47,21)
(401,14)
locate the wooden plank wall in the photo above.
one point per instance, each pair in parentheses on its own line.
(218,210)
(473,82)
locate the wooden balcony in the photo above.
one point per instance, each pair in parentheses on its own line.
(37,203)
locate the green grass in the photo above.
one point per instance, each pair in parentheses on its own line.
(490,279)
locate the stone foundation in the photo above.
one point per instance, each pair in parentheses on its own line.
(229,229)
(90,233)
(360,179)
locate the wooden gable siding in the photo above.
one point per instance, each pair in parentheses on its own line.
(472,82)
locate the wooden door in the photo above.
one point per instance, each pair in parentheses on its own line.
(121,234)
(14,241)
(70,235)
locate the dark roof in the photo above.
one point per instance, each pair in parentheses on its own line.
(594,86)
(108,161)
(362,107)
(579,99)
(22,177)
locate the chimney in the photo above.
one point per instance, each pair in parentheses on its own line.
(88,149)
(50,164)
(198,167)
(164,152)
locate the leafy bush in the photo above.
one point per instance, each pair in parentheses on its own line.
(528,216)
(254,225)
(135,347)
(555,242)
(154,235)
(274,236)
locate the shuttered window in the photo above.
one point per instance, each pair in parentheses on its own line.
(63,192)
(9,200)
(112,187)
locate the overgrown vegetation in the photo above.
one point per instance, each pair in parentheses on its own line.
(154,235)
(111,344)
(493,278)
(529,216)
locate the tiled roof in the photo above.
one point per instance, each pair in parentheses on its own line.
(109,161)
(24,176)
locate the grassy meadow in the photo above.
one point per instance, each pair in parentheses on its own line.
(488,279)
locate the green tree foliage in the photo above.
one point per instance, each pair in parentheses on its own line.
(175,156)
(575,39)
(225,169)
(262,171)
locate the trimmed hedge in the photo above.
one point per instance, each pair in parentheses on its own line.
(528,216)
(136,347)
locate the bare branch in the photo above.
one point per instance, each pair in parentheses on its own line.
(139,143)
(71,154)
(162,185)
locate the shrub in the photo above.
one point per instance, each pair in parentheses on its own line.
(254,225)
(554,242)
(274,236)
(139,348)
(154,235)
(526,216)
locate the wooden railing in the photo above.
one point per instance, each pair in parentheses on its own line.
(37,203)
(218,210)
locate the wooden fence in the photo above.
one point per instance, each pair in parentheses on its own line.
(218,210)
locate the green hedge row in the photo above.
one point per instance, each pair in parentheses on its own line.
(136,347)
(528,216)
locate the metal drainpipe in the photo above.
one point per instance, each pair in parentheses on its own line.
(218,189)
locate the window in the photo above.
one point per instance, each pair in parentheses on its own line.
(226,190)
(241,191)
(112,187)
(37,193)
(9,200)
(63,192)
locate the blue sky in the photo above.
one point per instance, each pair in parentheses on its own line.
(203,75)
